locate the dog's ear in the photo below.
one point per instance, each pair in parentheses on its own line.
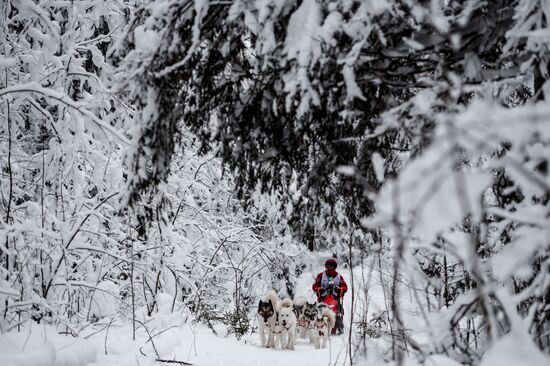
(269,302)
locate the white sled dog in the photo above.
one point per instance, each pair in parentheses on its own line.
(267,319)
(322,326)
(287,321)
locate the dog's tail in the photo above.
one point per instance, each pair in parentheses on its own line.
(286,303)
(272,295)
(326,311)
(300,301)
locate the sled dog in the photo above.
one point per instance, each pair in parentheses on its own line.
(302,324)
(287,320)
(267,319)
(305,315)
(322,325)
(310,313)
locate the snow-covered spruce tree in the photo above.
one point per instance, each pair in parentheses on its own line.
(294,89)
(324,102)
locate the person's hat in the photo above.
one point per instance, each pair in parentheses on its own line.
(331,262)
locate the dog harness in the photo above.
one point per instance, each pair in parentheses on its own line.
(278,328)
(303,323)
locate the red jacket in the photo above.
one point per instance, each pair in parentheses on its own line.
(317,288)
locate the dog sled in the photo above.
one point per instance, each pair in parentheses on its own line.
(332,299)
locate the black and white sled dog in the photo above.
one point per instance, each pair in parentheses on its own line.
(305,315)
(267,319)
(302,324)
(325,319)
(287,325)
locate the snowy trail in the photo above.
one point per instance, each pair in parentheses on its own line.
(193,343)
(204,348)
(211,350)
(196,345)
(188,342)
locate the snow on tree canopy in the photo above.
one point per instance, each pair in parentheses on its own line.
(164,164)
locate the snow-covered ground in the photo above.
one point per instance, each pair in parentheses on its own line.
(175,339)
(199,346)
(183,341)
(190,343)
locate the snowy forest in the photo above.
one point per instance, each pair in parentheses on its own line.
(164,164)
